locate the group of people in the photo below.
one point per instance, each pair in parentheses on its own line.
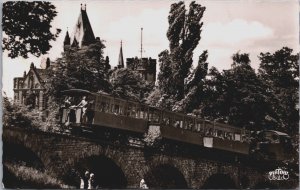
(88,181)
(84,104)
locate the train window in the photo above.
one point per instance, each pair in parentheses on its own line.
(132,110)
(104,104)
(178,121)
(167,119)
(144,112)
(115,108)
(198,125)
(154,115)
(188,123)
(220,134)
(228,135)
(209,131)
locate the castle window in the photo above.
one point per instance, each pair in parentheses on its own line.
(31,81)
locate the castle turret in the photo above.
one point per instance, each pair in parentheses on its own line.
(121,60)
(83,33)
(67,41)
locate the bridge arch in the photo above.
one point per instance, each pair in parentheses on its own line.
(19,154)
(219,181)
(165,176)
(108,174)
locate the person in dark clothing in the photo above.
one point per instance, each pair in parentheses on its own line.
(84,181)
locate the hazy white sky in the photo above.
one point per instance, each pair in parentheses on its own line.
(251,26)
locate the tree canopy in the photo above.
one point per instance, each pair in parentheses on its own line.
(176,63)
(83,68)
(27,26)
(280,71)
(128,84)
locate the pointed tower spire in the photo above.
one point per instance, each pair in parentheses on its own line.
(67,40)
(83,32)
(121,61)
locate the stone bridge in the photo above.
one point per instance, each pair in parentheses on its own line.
(123,164)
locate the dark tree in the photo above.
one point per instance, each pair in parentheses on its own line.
(194,85)
(83,68)
(280,71)
(237,96)
(176,64)
(184,35)
(27,27)
(128,84)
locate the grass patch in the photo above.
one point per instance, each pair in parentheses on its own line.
(19,176)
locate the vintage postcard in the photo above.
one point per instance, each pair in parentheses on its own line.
(150,94)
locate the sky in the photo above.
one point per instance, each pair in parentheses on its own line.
(248,26)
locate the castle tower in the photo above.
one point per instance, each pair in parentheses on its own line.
(67,41)
(121,60)
(83,34)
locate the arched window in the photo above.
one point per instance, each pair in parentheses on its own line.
(31,81)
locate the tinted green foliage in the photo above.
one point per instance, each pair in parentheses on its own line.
(27,27)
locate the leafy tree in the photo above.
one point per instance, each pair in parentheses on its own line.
(128,84)
(27,27)
(176,64)
(237,96)
(183,35)
(194,85)
(83,68)
(280,71)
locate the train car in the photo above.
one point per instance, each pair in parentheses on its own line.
(205,133)
(272,145)
(104,110)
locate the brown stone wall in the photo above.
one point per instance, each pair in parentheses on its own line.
(60,152)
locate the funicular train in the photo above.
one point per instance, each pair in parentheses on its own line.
(103,110)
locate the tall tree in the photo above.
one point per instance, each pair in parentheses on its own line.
(280,71)
(27,27)
(194,85)
(183,35)
(176,64)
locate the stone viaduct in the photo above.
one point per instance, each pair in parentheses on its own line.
(118,164)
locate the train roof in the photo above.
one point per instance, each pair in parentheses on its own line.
(278,133)
(77,92)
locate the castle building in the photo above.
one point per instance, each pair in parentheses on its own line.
(146,67)
(83,34)
(30,89)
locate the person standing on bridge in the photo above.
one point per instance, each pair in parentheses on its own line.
(83,104)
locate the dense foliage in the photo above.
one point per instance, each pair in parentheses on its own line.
(83,68)
(27,27)
(280,71)
(237,96)
(128,84)
(176,64)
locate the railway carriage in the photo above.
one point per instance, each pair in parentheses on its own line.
(104,110)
